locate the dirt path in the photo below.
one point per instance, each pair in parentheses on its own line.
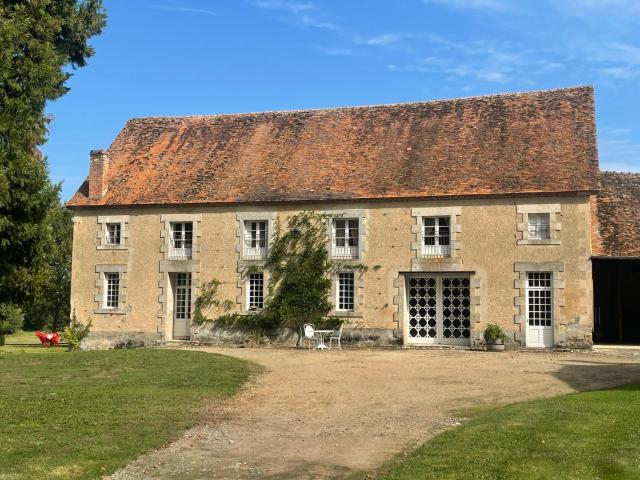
(314,415)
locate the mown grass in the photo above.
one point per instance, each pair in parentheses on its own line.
(593,435)
(82,415)
(22,337)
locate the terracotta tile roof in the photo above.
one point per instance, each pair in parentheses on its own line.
(535,142)
(616,230)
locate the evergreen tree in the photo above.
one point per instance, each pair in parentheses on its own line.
(40,40)
(47,305)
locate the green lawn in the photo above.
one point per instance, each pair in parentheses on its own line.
(22,337)
(84,414)
(594,435)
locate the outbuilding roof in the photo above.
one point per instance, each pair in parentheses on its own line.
(522,143)
(616,216)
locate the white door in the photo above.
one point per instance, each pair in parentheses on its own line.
(539,309)
(438,309)
(182,306)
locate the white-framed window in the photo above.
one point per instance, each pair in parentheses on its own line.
(346,292)
(181,241)
(539,299)
(111,290)
(539,227)
(113,234)
(346,232)
(255,291)
(256,240)
(436,237)
(183,296)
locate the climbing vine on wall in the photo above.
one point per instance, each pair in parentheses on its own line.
(300,278)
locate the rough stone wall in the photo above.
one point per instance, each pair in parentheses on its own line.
(487,233)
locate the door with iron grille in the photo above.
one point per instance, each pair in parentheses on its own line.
(438,309)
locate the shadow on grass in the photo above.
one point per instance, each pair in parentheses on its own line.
(590,375)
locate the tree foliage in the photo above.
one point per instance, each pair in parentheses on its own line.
(300,278)
(11,318)
(75,332)
(47,305)
(40,41)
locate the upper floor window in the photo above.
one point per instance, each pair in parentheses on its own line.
(113,234)
(436,237)
(255,239)
(111,290)
(345,238)
(539,226)
(256,291)
(181,242)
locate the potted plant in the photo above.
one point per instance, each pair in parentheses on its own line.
(494,337)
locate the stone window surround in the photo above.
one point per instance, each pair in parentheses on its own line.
(241,218)
(101,269)
(165,233)
(242,300)
(361,215)
(522,225)
(102,222)
(475,277)
(418,261)
(520,299)
(352,213)
(166,268)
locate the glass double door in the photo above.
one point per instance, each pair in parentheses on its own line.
(438,309)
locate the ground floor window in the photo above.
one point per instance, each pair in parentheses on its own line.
(256,291)
(539,299)
(183,296)
(112,290)
(346,291)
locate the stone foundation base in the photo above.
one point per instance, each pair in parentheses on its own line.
(356,337)
(115,340)
(351,337)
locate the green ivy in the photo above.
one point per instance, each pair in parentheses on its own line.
(300,277)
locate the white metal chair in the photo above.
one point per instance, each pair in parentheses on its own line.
(309,334)
(337,336)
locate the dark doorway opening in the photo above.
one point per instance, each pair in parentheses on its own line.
(616,295)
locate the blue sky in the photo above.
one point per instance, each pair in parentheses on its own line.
(183,57)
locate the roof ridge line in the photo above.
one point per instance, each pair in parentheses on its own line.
(359,107)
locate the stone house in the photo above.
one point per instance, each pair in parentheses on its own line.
(477,211)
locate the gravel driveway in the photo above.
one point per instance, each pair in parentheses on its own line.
(328,414)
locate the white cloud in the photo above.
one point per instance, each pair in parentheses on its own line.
(336,52)
(480,60)
(386,39)
(586,7)
(293,7)
(619,149)
(493,5)
(177,8)
(306,14)
(613,61)
(309,21)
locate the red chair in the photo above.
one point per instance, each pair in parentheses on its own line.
(48,338)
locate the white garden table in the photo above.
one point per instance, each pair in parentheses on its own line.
(321,345)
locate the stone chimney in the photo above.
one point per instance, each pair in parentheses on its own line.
(98,173)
